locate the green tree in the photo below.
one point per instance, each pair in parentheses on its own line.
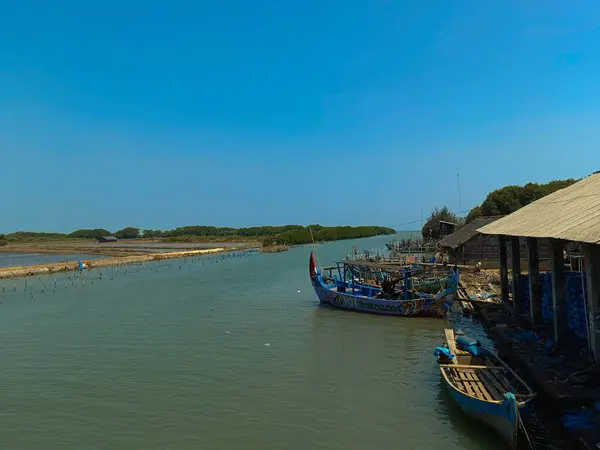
(302,235)
(32,236)
(3,240)
(90,234)
(530,193)
(502,201)
(128,233)
(269,241)
(511,198)
(153,234)
(473,214)
(431,229)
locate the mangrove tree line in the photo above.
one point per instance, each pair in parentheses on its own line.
(269,235)
(510,198)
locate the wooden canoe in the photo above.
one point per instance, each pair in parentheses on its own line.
(486,389)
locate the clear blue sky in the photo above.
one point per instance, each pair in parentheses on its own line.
(158,114)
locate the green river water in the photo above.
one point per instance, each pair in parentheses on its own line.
(215,353)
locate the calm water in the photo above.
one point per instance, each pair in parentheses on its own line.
(27,259)
(217,354)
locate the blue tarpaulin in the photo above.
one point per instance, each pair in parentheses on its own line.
(470,345)
(580,419)
(439,351)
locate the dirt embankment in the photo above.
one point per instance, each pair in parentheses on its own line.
(122,248)
(43,269)
(70,247)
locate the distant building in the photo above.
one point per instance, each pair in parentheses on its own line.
(467,246)
(104,239)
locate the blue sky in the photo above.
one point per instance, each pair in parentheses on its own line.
(239,113)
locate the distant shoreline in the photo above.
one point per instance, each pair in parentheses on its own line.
(266,236)
(126,251)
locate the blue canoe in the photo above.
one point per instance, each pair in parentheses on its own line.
(483,386)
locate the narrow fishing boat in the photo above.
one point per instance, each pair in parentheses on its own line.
(477,301)
(357,295)
(483,386)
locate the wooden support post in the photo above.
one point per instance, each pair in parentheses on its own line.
(503,268)
(559,294)
(592,275)
(516,274)
(535,286)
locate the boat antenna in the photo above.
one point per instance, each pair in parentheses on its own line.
(458,184)
(314,246)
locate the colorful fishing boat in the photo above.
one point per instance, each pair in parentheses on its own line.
(483,386)
(353,293)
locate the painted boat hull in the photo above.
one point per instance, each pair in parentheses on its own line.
(432,306)
(500,416)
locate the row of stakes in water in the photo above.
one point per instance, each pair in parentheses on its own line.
(33,286)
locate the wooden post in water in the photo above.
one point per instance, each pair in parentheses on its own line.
(503,268)
(516,274)
(592,266)
(559,294)
(535,287)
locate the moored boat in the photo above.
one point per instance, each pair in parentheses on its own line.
(477,301)
(483,386)
(357,295)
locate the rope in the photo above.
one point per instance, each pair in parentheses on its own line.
(314,247)
(523,427)
(525,395)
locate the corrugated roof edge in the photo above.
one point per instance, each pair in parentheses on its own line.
(539,221)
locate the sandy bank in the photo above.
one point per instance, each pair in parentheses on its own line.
(43,269)
(120,249)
